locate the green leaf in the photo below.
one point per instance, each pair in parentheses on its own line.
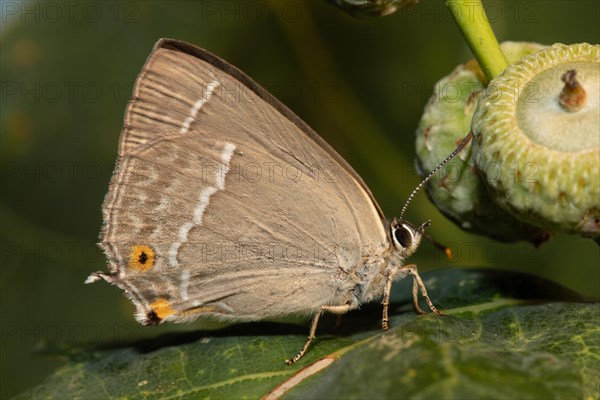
(506,335)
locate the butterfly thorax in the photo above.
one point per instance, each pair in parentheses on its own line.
(404,239)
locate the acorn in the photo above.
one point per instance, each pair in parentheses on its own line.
(457,190)
(537,139)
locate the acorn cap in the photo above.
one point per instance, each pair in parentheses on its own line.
(457,190)
(537,139)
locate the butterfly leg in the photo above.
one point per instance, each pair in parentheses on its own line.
(386,299)
(418,284)
(313,328)
(415,292)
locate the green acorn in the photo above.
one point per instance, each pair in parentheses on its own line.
(457,190)
(537,139)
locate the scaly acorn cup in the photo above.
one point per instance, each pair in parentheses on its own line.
(457,190)
(537,139)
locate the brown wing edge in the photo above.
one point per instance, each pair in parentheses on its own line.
(192,50)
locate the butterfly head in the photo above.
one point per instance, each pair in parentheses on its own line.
(405,237)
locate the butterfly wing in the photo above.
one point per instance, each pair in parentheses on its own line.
(223,202)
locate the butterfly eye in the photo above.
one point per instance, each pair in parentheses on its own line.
(403,235)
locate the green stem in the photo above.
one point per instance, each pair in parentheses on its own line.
(474,25)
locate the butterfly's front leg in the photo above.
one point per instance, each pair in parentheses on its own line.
(418,284)
(389,278)
(410,269)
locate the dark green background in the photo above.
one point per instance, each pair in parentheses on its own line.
(67,71)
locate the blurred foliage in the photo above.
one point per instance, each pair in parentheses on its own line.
(67,70)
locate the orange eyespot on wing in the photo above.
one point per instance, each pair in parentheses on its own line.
(161,309)
(141,258)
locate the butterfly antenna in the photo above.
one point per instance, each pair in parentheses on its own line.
(460,147)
